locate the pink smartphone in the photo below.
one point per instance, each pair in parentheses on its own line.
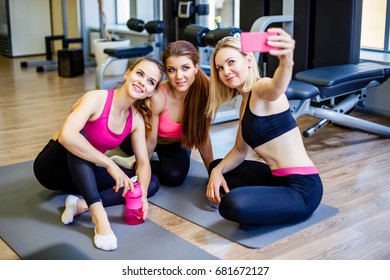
(256,42)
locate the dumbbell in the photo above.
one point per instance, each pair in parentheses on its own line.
(202,36)
(152,27)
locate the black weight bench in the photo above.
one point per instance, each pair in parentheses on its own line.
(341,88)
(129,52)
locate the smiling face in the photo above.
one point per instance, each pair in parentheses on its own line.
(181,72)
(232,67)
(143,79)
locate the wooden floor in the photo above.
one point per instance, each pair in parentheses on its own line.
(354,166)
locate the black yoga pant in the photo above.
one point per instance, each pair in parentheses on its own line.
(172,165)
(57,169)
(257,197)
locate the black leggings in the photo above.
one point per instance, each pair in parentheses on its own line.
(172,165)
(257,197)
(58,169)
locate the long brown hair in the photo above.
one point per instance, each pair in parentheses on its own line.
(195,122)
(143,106)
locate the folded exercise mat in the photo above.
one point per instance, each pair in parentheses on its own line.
(189,201)
(30,223)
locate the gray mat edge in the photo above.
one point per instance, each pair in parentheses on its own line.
(7,172)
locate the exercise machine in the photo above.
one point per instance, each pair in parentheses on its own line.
(51,64)
(49,55)
(330,93)
(152,48)
(329,86)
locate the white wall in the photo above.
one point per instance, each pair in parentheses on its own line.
(91,13)
(30,23)
(378,99)
(145,10)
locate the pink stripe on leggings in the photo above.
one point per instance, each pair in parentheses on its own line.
(301,170)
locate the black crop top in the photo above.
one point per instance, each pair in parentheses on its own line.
(257,130)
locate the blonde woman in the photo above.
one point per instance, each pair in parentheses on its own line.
(286,187)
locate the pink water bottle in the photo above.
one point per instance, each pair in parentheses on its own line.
(133,207)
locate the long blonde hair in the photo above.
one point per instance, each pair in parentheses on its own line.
(219,92)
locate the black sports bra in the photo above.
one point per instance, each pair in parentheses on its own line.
(257,130)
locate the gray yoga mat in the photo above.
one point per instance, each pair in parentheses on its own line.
(30,224)
(189,201)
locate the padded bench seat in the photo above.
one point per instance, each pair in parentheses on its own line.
(129,52)
(300,90)
(343,87)
(339,80)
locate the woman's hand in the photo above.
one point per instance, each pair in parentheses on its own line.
(121,179)
(282,41)
(213,187)
(271,89)
(145,207)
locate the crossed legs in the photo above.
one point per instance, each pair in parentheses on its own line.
(86,175)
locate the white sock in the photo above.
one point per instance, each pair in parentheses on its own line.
(126,162)
(70,209)
(105,242)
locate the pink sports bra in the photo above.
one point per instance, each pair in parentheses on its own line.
(166,127)
(98,132)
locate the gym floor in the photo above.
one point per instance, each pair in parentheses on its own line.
(354,167)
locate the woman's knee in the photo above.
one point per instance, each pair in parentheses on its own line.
(231,208)
(173,178)
(154,186)
(173,173)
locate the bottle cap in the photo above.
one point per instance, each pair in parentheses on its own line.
(134,179)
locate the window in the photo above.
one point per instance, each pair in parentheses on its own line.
(126,9)
(122,11)
(375,25)
(225,9)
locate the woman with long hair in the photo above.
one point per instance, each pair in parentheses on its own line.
(74,160)
(286,187)
(179,121)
